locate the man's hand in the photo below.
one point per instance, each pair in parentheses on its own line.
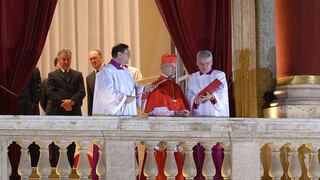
(129,99)
(182,113)
(208,97)
(67,104)
(198,99)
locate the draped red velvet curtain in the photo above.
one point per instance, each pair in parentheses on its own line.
(23,30)
(197,25)
(297,28)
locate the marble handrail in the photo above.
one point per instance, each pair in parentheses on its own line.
(120,135)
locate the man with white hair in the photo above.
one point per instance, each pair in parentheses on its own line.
(167,99)
(207,91)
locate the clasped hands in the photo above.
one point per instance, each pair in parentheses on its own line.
(66,104)
(201,99)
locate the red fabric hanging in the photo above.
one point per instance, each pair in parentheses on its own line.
(24,27)
(196,25)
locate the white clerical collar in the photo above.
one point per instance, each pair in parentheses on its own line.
(68,70)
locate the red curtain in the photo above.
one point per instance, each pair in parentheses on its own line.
(24,27)
(297,28)
(197,25)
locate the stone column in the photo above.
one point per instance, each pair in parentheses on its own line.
(297,59)
(244,57)
(248,152)
(120,159)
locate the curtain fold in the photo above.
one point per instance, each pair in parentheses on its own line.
(197,25)
(24,28)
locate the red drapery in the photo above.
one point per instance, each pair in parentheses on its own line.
(297,28)
(24,28)
(197,25)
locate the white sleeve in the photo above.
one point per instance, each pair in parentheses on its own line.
(139,90)
(221,96)
(191,95)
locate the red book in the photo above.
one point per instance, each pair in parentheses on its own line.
(210,88)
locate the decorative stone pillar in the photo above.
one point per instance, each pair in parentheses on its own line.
(226,169)
(101,165)
(189,166)
(5,168)
(208,169)
(150,168)
(170,168)
(24,168)
(297,58)
(275,170)
(313,164)
(63,168)
(83,168)
(294,169)
(44,168)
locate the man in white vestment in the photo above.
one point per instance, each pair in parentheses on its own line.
(115,89)
(214,103)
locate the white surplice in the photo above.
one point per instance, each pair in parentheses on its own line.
(196,83)
(112,86)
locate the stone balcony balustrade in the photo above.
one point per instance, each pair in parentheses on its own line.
(253,148)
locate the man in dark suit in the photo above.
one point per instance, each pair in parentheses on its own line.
(65,87)
(30,96)
(95,58)
(44,102)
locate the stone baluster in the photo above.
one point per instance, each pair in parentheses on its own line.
(83,169)
(313,165)
(43,167)
(306,156)
(5,168)
(150,169)
(189,166)
(9,169)
(261,169)
(208,169)
(275,170)
(63,168)
(170,168)
(226,165)
(101,165)
(24,168)
(294,169)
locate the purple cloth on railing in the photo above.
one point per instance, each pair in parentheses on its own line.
(198,156)
(217,156)
(144,161)
(95,158)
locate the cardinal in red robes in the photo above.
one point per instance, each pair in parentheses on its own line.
(167,98)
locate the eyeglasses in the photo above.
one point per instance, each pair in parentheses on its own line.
(127,53)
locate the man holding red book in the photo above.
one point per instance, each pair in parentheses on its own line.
(207,92)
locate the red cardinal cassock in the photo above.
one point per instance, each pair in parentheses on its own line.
(167,94)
